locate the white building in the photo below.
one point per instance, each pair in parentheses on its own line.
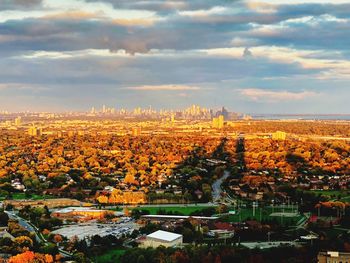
(162,238)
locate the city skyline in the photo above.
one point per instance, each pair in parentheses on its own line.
(261,56)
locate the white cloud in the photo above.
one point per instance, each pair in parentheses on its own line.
(275,96)
(78,9)
(296,2)
(74,54)
(163,87)
(217,10)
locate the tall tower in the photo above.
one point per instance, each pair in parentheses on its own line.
(18,121)
(221,121)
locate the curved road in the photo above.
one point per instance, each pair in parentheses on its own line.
(217,190)
(31,228)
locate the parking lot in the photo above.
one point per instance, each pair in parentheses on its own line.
(86,230)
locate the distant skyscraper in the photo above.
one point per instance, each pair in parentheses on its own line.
(35,131)
(215,123)
(137,111)
(218,123)
(136,131)
(224,112)
(279,135)
(18,121)
(221,121)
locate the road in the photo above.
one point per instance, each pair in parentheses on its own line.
(217,190)
(31,228)
(25,224)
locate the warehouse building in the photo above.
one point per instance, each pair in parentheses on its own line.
(162,238)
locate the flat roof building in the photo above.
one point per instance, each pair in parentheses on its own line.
(50,203)
(162,238)
(333,257)
(83,213)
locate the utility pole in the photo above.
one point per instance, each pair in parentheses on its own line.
(254,206)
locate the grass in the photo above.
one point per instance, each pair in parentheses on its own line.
(345,199)
(331,193)
(263,214)
(334,232)
(110,256)
(185,210)
(19,196)
(334,195)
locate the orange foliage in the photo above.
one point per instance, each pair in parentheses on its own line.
(128,197)
(31,257)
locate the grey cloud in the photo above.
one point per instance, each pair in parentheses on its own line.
(175,32)
(329,35)
(167,6)
(19,4)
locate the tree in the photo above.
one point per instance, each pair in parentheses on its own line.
(4,218)
(58,238)
(31,257)
(24,241)
(141,259)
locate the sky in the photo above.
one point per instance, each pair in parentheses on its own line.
(252,56)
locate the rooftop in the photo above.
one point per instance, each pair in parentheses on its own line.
(77,209)
(164,235)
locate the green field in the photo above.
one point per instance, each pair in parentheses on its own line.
(331,193)
(19,196)
(111,256)
(263,214)
(345,199)
(185,210)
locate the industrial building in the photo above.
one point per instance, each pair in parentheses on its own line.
(162,238)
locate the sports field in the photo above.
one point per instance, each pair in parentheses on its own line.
(112,256)
(282,215)
(19,196)
(184,210)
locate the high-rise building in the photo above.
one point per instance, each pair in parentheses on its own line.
(221,121)
(18,121)
(279,135)
(215,123)
(218,123)
(138,111)
(136,131)
(35,131)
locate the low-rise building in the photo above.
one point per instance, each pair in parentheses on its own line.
(4,233)
(82,213)
(333,257)
(50,203)
(162,238)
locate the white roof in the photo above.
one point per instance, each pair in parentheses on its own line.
(164,235)
(77,209)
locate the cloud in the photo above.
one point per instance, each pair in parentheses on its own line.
(18,4)
(171,87)
(275,96)
(113,51)
(247,53)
